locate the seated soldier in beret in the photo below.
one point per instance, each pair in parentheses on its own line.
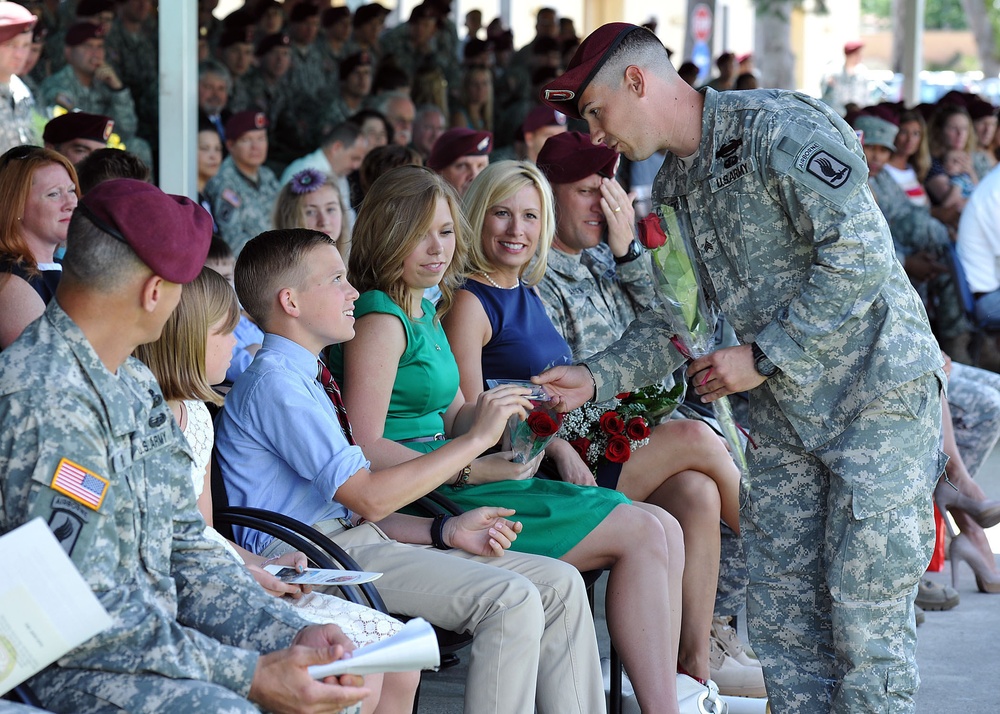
(88,443)
(89,84)
(77,134)
(459,155)
(243,191)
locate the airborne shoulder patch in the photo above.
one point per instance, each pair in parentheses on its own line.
(828,169)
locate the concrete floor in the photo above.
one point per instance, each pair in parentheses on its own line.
(958,651)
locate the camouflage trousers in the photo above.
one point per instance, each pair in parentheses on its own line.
(92,692)
(974,398)
(836,540)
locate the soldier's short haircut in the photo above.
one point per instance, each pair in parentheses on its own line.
(96,260)
(211,66)
(639,47)
(272,261)
(106,164)
(346,133)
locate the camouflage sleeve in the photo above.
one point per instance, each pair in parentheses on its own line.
(41,462)
(644,355)
(636,281)
(823,190)
(122,110)
(217,596)
(555,307)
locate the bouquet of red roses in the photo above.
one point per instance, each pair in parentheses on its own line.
(529,437)
(612,430)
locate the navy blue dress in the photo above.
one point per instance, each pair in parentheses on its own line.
(524,341)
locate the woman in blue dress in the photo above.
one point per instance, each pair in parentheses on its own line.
(498,328)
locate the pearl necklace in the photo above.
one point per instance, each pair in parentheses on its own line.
(495,284)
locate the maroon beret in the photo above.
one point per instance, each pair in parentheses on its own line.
(236,35)
(242,122)
(14,20)
(170,234)
(456,143)
(270,42)
(853,46)
(563,93)
(423,11)
(541,117)
(979,109)
(83,31)
(571,156)
(352,62)
(366,13)
(303,11)
(885,112)
(333,15)
(87,8)
(78,125)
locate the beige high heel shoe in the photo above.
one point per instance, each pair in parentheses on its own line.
(985,513)
(987,579)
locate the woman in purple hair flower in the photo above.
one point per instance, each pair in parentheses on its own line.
(311,200)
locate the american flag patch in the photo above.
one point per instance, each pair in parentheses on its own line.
(80,484)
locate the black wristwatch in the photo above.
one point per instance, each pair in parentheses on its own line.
(633,252)
(764,366)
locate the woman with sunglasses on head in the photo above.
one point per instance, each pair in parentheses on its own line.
(38,192)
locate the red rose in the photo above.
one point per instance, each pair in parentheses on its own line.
(623,395)
(618,451)
(651,233)
(541,424)
(612,423)
(637,429)
(581,445)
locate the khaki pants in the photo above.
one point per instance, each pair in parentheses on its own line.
(534,643)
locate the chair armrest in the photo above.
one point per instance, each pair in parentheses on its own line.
(318,548)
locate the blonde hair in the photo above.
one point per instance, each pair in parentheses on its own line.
(495,184)
(921,160)
(288,212)
(177,358)
(396,214)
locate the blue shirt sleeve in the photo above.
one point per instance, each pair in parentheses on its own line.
(281,447)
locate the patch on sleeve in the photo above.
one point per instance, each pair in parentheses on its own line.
(231,197)
(803,156)
(829,169)
(66,526)
(80,484)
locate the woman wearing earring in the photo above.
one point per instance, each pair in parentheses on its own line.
(38,193)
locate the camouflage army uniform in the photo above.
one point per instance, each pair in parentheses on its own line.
(974,398)
(17,125)
(188,621)
(241,207)
(308,78)
(136,61)
(914,229)
(64,89)
(792,247)
(591,300)
(291,132)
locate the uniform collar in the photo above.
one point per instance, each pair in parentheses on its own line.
(106,385)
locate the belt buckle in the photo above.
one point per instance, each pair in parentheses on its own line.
(439,437)
(346,523)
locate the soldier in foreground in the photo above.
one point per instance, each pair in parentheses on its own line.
(770,190)
(88,443)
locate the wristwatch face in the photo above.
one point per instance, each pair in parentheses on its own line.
(765,367)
